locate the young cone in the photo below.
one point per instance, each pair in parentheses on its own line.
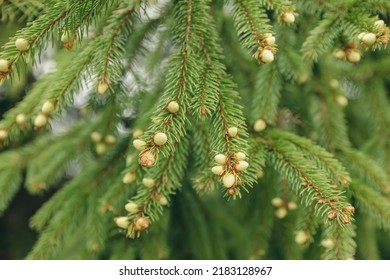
(266,56)
(122,222)
(160,139)
(131,207)
(220,159)
(228,180)
(141,224)
(147,159)
(288,17)
(4,65)
(22,44)
(139,144)
(3,134)
(173,107)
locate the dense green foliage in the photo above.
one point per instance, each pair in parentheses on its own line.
(199,129)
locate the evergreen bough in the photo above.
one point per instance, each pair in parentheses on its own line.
(207,130)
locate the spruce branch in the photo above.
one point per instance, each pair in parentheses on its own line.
(377,6)
(366,169)
(162,181)
(47,166)
(268,87)
(66,217)
(43,28)
(229,115)
(261,225)
(367,238)
(290,62)
(167,121)
(10,178)
(321,39)
(373,203)
(378,106)
(253,29)
(203,179)
(307,226)
(20,10)
(329,122)
(112,45)
(206,96)
(323,159)
(338,242)
(309,184)
(31,106)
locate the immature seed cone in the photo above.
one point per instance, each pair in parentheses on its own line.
(218,170)
(232,191)
(327,243)
(301,237)
(239,156)
(220,159)
(292,205)
(141,224)
(281,212)
(102,86)
(379,24)
(332,215)
(342,100)
(340,54)
(288,17)
(369,39)
(361,35)
(148,182)
(100,148)
(147,159)
(259,125)
(129,178)
(160,139)
(233,131)
(131,207)
(266,56)
(3,134)
(96,136)
(21,119)
(270,40)
(173,107)
(353,56)
(139,144)
(122,222)
(349,209)
(4,65)
(241,165)
(22,44)
(277,202)
(68,38)
(228,180)
(334,83)
(40,121)
(110,139)
(162,200)
(48,107)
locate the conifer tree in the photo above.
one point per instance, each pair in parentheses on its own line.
(199,129)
